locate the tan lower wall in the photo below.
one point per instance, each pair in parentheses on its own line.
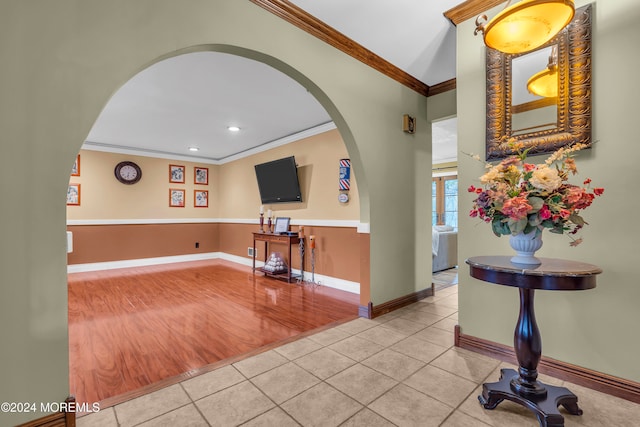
(337,252)
(103,243)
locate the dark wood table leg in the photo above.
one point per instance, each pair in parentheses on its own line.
(523,386)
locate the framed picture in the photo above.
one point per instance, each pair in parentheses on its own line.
(176,174)
(281,225)
(200,198)
(176,198)
(73,195)
(201,175)
(75,170)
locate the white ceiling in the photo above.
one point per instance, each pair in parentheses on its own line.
(190,100)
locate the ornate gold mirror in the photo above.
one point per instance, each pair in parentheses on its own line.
(542,124)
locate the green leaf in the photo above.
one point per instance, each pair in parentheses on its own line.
(518,226)
(536,203)
(577,219)
(534,220)
(500,228)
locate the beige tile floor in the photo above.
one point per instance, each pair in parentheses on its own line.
(399,369)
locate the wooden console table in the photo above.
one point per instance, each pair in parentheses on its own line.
(523,387)
(269,238)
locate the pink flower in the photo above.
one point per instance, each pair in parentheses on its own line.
(516,208)
(574,194)
(473,213)
(565,213)
(544,212)
(528,167)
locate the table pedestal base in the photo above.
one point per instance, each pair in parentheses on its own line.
(545,407)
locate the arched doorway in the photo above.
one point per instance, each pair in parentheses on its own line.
(103,226)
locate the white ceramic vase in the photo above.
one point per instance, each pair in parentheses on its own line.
(525,246)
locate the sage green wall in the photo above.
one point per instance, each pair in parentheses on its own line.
(62,61)
(595,328)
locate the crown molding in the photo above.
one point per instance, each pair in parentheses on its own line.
(442,87)
(301,19)
(469,9)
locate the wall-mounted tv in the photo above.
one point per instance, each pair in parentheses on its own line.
(278,181)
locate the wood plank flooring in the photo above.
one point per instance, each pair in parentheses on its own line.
(130,328)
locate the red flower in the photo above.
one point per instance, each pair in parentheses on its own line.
(473,213)
(564,213)
(471,189)
(587,181)
(598,191)
(528,167)
(544,212)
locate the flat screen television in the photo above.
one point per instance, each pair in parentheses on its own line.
(278,181)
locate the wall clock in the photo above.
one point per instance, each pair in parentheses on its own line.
(128,172)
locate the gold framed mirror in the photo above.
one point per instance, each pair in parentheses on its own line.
(541,124)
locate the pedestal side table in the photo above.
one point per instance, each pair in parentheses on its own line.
(523,386)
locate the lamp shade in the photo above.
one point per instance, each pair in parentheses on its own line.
(527,25)
(544,83)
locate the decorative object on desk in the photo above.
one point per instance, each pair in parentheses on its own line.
(281,225)
(262,218)
(520,197)
(526,246)
(275,264)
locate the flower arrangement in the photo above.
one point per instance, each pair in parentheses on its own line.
(519,197)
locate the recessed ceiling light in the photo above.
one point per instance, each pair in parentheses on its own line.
(193,149)
(233,128)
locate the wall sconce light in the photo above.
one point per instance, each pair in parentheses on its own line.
(545,82)
(526,25)
(408,124)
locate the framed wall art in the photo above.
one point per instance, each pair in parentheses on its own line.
(176,198)
(201,175)
(200,198)
(75,170)
(73,195)
(176,174)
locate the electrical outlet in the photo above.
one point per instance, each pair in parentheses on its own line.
(250,252)
(197,245)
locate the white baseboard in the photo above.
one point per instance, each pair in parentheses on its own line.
(328,281)
(141,262)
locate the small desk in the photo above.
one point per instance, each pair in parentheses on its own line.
(523,387)
(268,238)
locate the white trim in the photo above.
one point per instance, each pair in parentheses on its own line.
(134,221)
(114,148)
(141,262)
(445,173)
(328,281)
(326,127)
(364,228)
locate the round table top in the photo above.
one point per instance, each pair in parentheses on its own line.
(551,274)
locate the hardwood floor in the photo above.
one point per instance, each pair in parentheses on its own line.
(130,328)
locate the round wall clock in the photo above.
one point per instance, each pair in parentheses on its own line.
(128,172)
